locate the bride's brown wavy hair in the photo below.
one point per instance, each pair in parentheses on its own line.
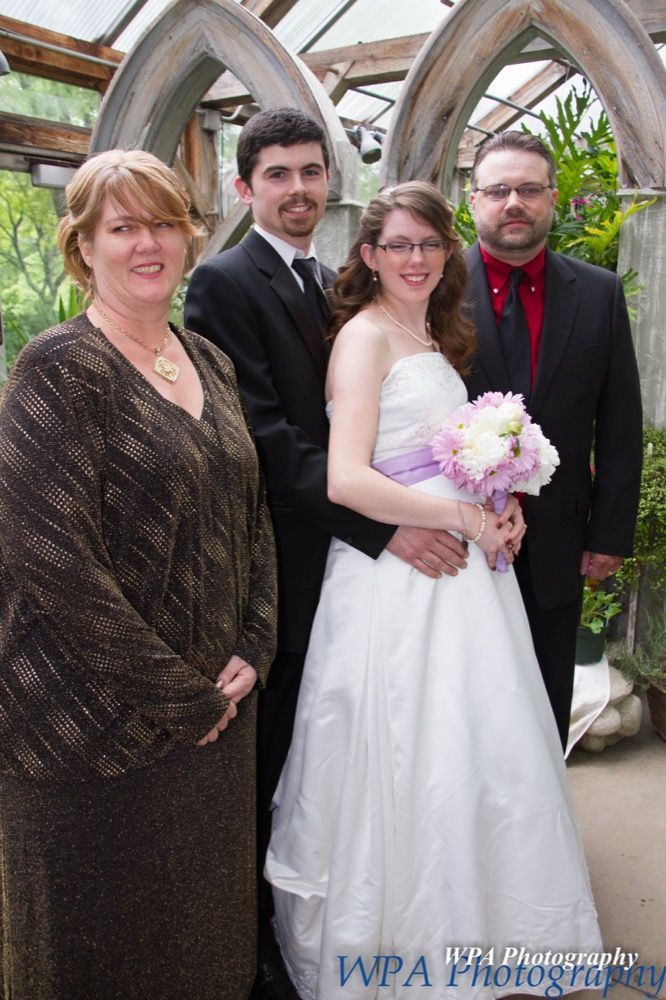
(354,288)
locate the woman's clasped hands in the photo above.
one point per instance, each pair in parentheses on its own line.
(235,681)
(503,533)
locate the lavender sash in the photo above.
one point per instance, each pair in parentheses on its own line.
(410,467)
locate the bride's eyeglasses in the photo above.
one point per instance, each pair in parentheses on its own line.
(407,249)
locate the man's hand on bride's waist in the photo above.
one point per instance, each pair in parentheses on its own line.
(433,553)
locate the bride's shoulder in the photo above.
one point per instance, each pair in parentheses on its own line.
(361,347)
(362,333)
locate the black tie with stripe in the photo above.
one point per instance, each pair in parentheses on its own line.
(306,267)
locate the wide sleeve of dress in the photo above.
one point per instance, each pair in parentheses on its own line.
(58,570)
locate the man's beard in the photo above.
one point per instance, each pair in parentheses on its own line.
(305,226)
(531,236)
(296,227)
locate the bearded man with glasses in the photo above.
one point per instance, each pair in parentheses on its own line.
(557,330)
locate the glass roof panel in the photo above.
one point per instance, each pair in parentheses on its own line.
(149,12)
(366,22)
(360,106)
(506,82)
(359,21)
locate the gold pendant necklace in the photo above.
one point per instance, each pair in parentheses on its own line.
(428,342)
(162,366)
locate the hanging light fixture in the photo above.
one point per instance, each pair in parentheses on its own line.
(368,143)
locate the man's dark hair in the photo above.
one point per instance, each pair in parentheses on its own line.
(276,127)
(522,142)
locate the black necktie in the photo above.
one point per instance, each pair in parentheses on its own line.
(306,267)
(515,338)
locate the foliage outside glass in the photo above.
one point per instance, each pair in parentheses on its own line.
(599,603)
(31,268)
(37,97)
(650,537)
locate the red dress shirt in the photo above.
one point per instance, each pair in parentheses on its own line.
(531,290)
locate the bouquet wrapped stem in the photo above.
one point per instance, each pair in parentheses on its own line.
(498,498)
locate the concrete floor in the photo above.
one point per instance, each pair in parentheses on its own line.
(620,798)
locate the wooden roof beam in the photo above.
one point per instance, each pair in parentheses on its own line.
(652,15)
(338,69)
(37,139)
(34,50)
(270,12)
(335,81)
(371,62)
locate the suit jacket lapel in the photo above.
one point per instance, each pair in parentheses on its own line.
(560,308)
(489,354)
(284,285)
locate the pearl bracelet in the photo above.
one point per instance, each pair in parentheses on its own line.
(484,519)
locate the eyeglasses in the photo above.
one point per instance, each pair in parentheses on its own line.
(526,192)
(406,249)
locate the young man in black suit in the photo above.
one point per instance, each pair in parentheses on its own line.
(254,303)
(566,344)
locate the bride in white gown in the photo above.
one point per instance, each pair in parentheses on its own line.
(424,803)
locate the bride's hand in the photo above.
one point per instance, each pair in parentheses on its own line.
(511,517)
(494,539)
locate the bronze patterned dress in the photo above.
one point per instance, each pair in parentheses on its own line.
(136,556)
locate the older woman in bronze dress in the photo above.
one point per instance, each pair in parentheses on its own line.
(136,617)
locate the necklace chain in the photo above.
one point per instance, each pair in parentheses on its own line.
(428,342)
(162,366)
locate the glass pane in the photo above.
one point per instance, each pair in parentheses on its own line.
(37,97)
(31,269)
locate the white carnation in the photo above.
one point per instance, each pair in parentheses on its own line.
(548,462)
(483,449)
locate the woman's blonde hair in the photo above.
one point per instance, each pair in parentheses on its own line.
(354,287)
(130,177)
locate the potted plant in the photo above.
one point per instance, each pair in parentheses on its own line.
(599,606)
(647,669)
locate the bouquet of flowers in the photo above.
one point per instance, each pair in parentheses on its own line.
(491,447)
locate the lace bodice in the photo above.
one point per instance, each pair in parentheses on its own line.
(416,395)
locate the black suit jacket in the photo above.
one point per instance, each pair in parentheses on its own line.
(247,301)
(586,394)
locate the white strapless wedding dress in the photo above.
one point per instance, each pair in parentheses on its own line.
(424,803)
